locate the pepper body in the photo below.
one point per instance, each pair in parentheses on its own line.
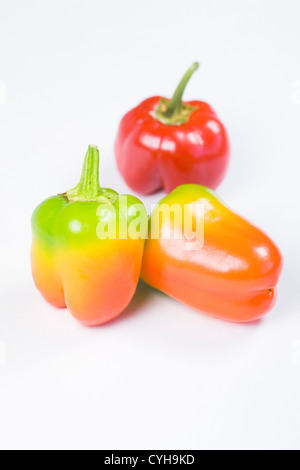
(230,272)
(73,264)
(162,144)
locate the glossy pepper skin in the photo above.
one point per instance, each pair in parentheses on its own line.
(162,144)
(72,267)
(232,275)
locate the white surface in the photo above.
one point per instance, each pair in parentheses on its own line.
(162,375)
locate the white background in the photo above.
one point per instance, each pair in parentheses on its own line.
(162,375)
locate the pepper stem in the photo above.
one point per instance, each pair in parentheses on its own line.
(176,102)
(174,112)
(89,188)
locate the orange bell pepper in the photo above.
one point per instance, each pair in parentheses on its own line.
(230,268)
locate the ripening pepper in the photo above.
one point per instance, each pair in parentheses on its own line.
(162,144)
(76,260)
(228,268)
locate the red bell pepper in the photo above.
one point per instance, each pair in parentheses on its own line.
(162,144)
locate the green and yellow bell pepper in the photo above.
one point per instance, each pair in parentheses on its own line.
(82,254)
